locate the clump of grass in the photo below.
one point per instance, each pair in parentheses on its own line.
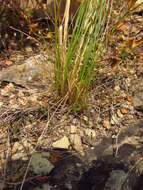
(76,57)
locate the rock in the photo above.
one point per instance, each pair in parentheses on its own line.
(74,121)
(44,142)
(28,49)
(129,98)
(114,120)
(38,67)
(119,114)
(16,147)
(33,98)
(133,180)
(40,163)
(67,173)
(77,143)
(7,90)
(62,143)
(25,158)
(106,123)
(138,100)
(73,129)
(90,133)
(115,180)
(123,94)
(85,118)
(117,88)
(124,110)
(18,156)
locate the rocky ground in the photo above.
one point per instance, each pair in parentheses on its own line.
(70,150)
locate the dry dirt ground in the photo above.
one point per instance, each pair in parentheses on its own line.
(32,120)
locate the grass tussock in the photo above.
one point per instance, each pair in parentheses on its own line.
(76,57)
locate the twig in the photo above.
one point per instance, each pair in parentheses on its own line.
(7,155)
(11,27)
(117,147)
(42,134)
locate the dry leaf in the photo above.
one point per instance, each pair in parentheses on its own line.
(129,98)
(49,35)
(117,88)
(131,3)
(119,114)
(124,110)
(8,62)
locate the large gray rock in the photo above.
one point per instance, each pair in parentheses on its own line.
(115,180)
(40,163)
(37,70)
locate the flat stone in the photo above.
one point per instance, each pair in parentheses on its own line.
(117,88)
(90,133)
(36,68)
(77,143)
(114,120)
(62,143)
(18,156)
(73,129)
(106,123)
